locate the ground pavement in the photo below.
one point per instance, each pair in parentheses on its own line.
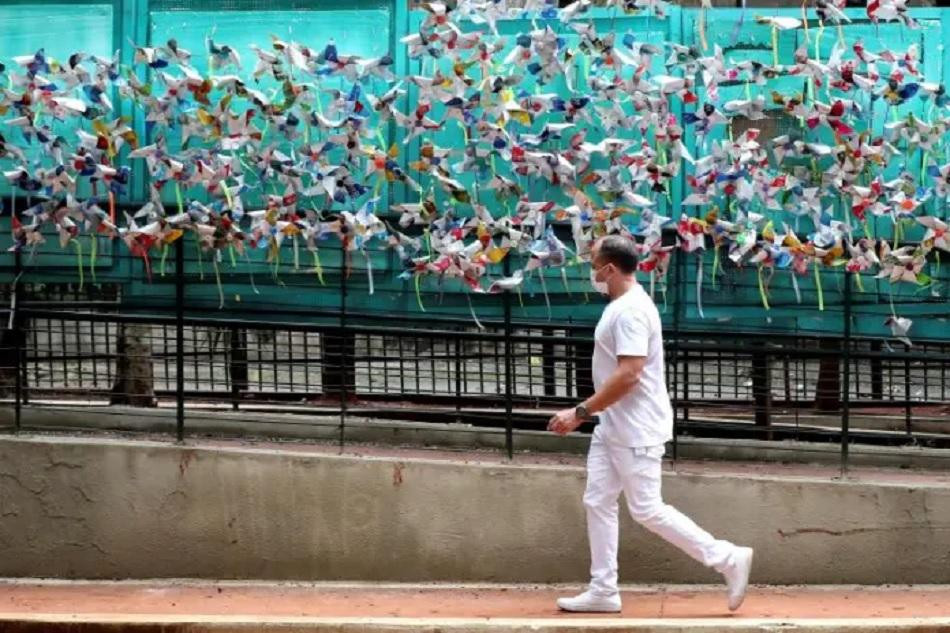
(196,606)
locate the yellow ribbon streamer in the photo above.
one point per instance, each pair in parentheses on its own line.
(762,295)
(317,267)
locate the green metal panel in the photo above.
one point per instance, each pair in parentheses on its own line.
(362,28)
(735,303)
(60,29)
(373,27)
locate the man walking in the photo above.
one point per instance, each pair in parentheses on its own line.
(635,422)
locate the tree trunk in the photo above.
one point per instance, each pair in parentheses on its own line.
(8,359)
(134,384)
(762,390)
(237,364)
(339,368)
(828,389)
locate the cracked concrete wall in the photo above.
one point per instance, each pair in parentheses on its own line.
(102,508)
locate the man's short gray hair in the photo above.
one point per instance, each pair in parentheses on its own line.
(620,251)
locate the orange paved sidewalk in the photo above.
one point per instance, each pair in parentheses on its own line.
(187,598)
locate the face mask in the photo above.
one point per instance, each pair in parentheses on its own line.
(599,286)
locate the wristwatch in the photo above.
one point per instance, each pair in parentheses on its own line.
(582,413)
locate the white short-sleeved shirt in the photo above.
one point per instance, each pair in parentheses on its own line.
(630,326)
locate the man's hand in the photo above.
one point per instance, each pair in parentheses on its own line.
(564,421)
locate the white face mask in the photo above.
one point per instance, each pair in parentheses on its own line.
(599,286)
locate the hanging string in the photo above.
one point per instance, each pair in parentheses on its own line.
(317,267)
(201,265)
(227,195)
(699,285)
(93,252)
(715,264)
(471,309)
(79,263)
(164,254)
(567,287)
(701,26)
(544,289)
(774,45)
(181,204)
(805,20)
(738,28)
(416,282)
(762,295)
(217,279)
(369,270)
(247,257)
(275,250)
(148,266)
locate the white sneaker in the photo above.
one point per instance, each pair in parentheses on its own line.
(737,576)
(590,602)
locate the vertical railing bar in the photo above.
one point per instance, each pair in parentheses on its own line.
(62,342)
(907,404)
(675,361)
(95,355)
(180,338)
(846,379)
(458,379)
(306,363)
(290,358)
(509,434)
(344,378)
(17,325)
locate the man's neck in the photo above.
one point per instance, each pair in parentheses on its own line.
(623,286)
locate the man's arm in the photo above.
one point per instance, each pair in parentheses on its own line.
(622,381)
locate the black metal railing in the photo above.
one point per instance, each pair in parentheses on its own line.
(506,375)
(503,372)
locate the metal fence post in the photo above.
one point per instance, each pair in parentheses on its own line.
(180,337)
(343,342)
(908,422)
(846,378)
(458,379)
(18,335)
(762,392)
(509,435)
(548,365)
(675,356)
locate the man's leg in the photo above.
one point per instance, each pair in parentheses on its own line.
(641,478)
(603,521)
(603,526)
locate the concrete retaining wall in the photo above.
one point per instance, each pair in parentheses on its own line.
(100,508)
(264,423)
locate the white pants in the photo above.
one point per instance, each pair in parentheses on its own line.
(637,473)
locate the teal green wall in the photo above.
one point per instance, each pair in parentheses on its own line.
(372,27)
